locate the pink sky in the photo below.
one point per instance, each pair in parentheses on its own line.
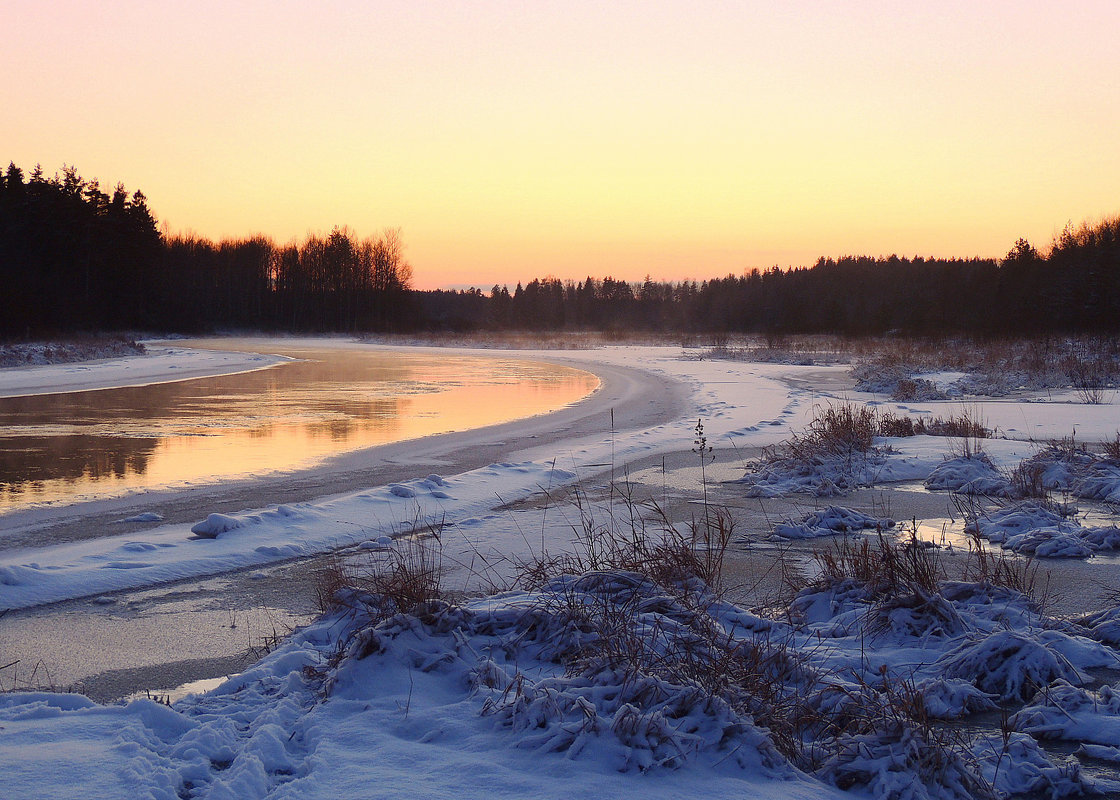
(511,140)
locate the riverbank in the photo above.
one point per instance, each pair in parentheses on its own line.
(154,607)
(164,362)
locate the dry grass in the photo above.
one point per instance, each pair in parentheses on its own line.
(964,426)
(1000,568)
(1111,447)
(1051,361)
(1027,480)
(843,433)
(884,566)
(394,581)
(643,596)
(837,432)
(643,541)
(68,350)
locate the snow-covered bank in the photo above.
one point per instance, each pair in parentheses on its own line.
(742,405)
(607,683)
(485,699)
(575,442)
(163,362)
(410,721)
(223,542)
(68,351)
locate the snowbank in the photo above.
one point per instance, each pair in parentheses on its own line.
(162,363)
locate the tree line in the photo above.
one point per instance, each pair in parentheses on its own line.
(74,257)
(1074,288)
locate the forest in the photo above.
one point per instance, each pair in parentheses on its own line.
(75,258)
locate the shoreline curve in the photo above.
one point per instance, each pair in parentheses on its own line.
(634,398)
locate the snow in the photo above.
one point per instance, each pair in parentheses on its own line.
(467,703)
(973,474)
(488,698)
(1067,711)
(829,522)
(222,542)
(164,362)
(1045,530)
(1008,664)
(509,695)
(1018,766)
(1100,481)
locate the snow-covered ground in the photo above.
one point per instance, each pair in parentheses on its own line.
(413,725)
(164,362)
(741,405)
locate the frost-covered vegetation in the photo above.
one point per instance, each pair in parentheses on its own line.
(840,450)
(845,448)
(625,654)
(938,369)
(624,657)
(621,667)
(14,354)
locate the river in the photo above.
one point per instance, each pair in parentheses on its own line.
(324,401)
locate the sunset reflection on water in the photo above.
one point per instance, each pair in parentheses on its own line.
(331,401)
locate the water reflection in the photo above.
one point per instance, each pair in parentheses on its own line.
(29,463)
(288,417)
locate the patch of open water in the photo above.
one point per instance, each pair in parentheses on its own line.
(328,401)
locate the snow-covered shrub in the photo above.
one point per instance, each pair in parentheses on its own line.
(1007,598)
(918,614)
(391,580)
(1059,465)
(834,455)
(1016,766)
(974,474)
(898,380)
(1100,481)
(1042,529)
(651,669)
(81,349)
(1014,519)
(1009,664)
(885,567)
(953,698)
(916,389)
(824,600)
(889,750)
(643,541)
(992,368)
(1104,626)
(641,722)
(829,522)
(1065,711)
(1049,543)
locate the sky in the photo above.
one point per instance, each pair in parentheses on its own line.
(512,140)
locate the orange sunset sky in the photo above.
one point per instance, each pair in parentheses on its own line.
(517,139)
